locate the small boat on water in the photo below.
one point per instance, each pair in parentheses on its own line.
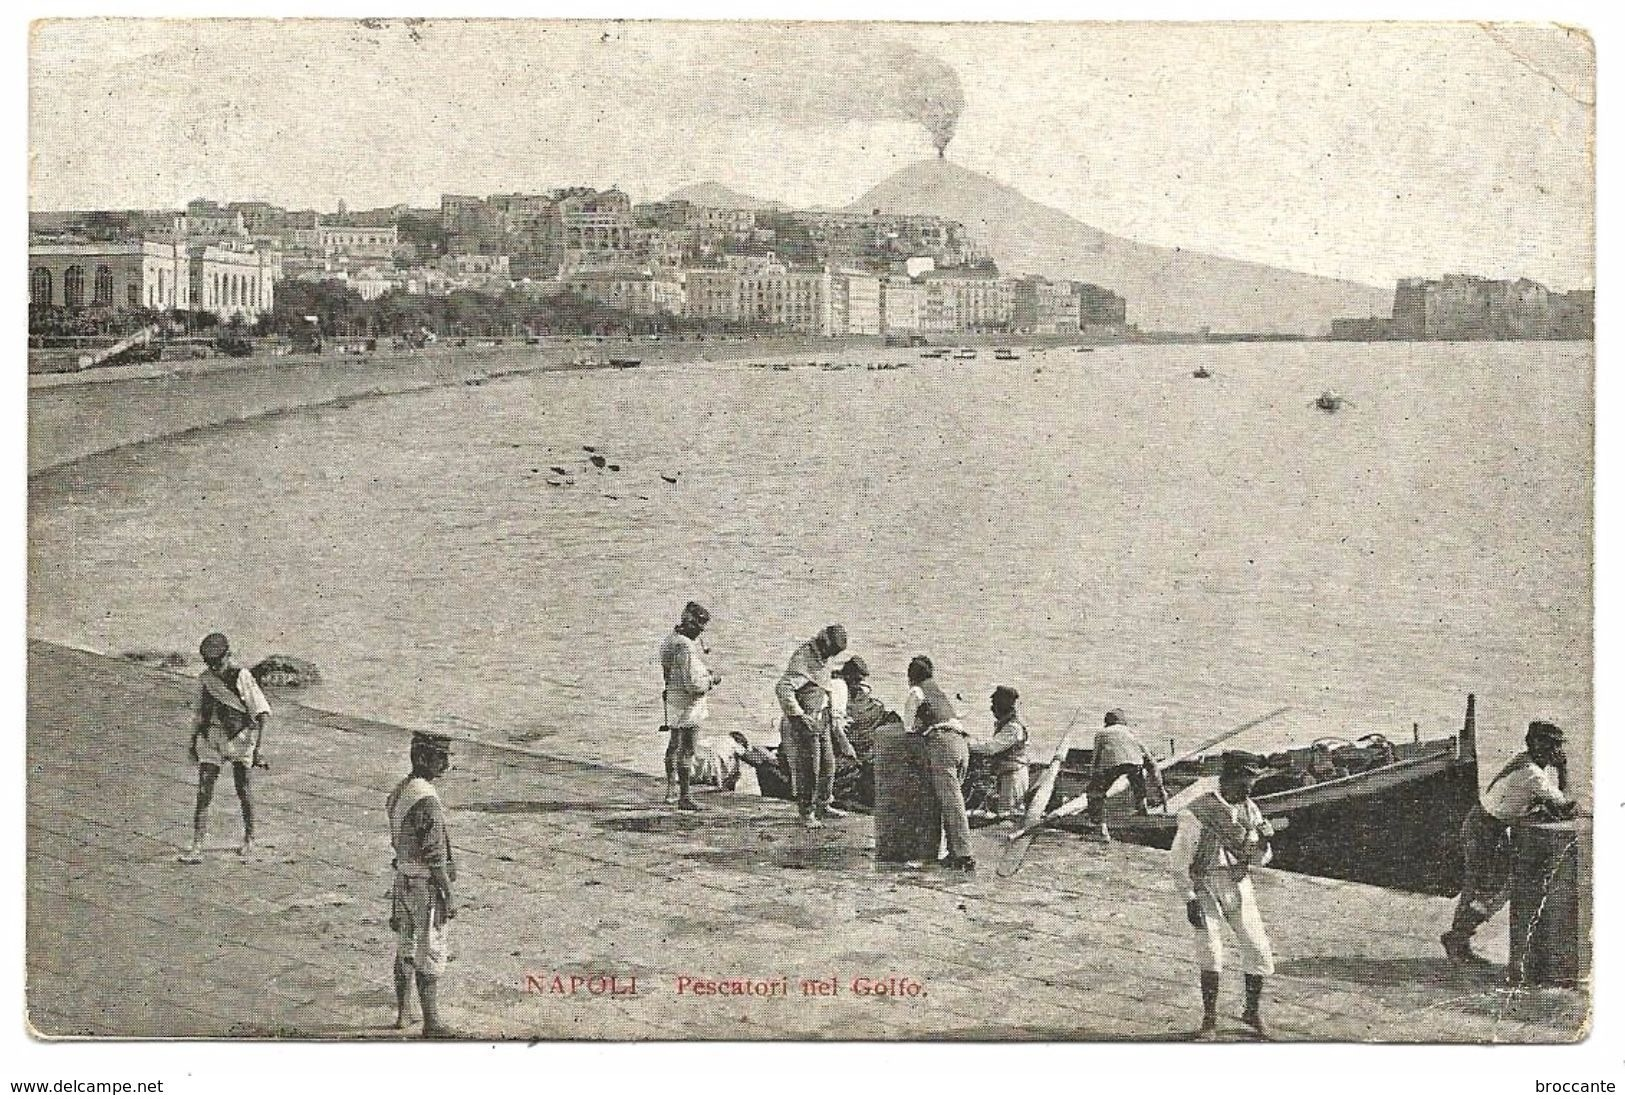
(1329,401)
(965,353)
(782,367)
(625,363)
(1005,354)
(1084,350)
(1201,372)
(935,353)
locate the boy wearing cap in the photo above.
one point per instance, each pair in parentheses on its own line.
(809,726)
(687,681)
(228,726)
(1220,838)
(1006,751)
(424,870)
(1524,788)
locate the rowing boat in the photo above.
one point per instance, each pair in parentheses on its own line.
(1371,811)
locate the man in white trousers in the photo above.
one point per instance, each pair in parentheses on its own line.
(1220,838)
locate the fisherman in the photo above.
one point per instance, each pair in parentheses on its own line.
(228,726)
(1006,753)
(687,681)
(1118,754)
(850,695)
(1524,789)
(809,728)
(1220,837)
(928,713)
(424,870)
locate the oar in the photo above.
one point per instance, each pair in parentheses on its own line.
(1077,804)
(1016,852)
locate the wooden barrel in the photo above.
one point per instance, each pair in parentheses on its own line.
(906,817)
(1551,903)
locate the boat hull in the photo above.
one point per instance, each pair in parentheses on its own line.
(1397,826)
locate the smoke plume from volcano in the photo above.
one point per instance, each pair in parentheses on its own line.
(816,75)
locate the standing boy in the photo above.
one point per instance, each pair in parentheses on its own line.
(424,870)
(687,682)
(228,727)
(1220,838)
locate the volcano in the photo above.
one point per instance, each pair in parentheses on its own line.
(1166,288)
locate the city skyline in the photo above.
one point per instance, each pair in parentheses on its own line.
(1469,147)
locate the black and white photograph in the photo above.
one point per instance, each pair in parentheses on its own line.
(740,530)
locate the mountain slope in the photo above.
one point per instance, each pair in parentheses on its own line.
(1166,288)
(712,193)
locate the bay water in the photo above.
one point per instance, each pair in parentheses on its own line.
(1095,529)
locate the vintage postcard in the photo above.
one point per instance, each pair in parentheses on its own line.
(764,530)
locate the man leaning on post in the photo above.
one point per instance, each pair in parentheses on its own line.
(1524,789)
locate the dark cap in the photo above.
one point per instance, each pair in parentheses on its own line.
(1004,698)
(1116,717)
(696,613)
(214,646)
(1544,730)
(853,670)
(432,741)
(832,639)
(1234,765)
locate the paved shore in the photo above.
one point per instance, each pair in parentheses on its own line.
(574,871)
(72,416)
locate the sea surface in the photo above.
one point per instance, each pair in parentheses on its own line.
(1097,530)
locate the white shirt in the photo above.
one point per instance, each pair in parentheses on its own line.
(838,694)
(1512,798)
(911,705)
(1188,833)
(687,681)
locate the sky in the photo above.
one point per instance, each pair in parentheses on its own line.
(1364,151)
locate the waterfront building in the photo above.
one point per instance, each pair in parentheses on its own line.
(639,292)
(148,274)
(966,300)
(794,298)
(902,305)
(1042,307)
(711,293)
(854,303)
(231,280)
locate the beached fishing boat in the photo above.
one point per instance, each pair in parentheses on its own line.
(1373,810)
(1005,354)
(625,363)
(965,353)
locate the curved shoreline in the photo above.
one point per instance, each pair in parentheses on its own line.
(71,421)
